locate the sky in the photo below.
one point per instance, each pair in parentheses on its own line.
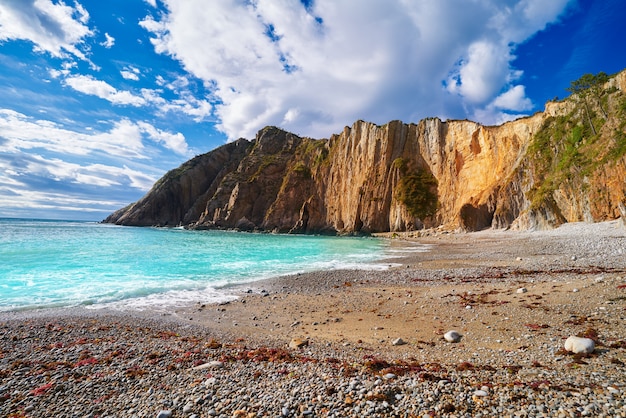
(99,99)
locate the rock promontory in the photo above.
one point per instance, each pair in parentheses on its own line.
(565,164)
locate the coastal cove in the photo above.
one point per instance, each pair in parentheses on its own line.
(49,264)
(371,342)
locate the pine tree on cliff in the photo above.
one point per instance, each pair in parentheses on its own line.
(587,86)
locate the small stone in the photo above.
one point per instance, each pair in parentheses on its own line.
(164,414)
(452,336)
(481,393)
(575,290)
(579,345)
(187,408)
(210,365)
(574,258)
(389,376)
(398,341)
(296,343)
(522,290)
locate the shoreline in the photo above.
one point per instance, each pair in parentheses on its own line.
(573,280)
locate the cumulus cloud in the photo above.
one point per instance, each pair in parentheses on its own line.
(53,27)
(514,99)
(311,69)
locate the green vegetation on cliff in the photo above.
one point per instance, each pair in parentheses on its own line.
(416,190)
(571,147)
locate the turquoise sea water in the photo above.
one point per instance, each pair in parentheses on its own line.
(57,263)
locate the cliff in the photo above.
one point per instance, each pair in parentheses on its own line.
(565,164)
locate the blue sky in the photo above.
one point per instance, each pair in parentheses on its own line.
(98,99)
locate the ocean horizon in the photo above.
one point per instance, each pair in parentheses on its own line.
(57,263)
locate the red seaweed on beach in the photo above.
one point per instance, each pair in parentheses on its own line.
(86,362)
(41,390)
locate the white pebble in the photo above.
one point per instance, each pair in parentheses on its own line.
(398,341)
(452,336)
(522,290)
(578,345)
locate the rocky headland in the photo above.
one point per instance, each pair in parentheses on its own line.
(565,164)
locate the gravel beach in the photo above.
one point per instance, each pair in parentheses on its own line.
(352,343)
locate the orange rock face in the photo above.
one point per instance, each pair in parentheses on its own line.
(534,172)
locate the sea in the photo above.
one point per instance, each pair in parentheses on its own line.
(51,264)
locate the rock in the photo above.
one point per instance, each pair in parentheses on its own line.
(481,393)
(296,343)
(210,365)
(276,182)
(578,345)
(164,414)
(452,336)
(398,341)
(522,290)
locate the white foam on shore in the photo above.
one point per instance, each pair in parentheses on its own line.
(220,292)
(165,302)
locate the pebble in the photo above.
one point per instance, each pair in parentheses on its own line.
(296,343)
(110,366)
(398,341)
(452,336)
(578,345)
(210,365)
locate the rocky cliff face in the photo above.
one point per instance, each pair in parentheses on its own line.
(565,164)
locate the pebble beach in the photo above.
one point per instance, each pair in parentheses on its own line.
(352,343)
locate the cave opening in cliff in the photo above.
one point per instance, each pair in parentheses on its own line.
(476,218)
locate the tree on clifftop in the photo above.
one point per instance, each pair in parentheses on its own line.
(590,86)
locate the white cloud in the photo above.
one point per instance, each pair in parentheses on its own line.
(274,62)
(513,99)
(47,167)
(89,85)
(53,27)
(109,41)
(131,73)
(175,142)
(125,139)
